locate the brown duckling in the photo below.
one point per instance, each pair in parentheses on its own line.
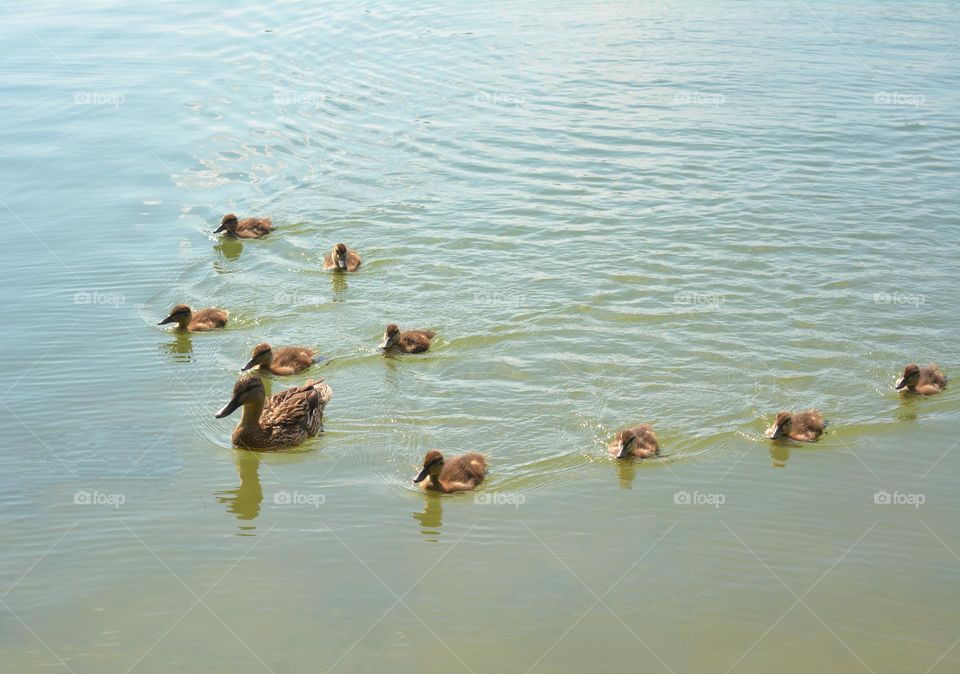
(923,380)
(802,426)
(461,473)
(283,420)
(248,228)
(639,441)
(411,341)
(341,258)
(282,361)
(196,321)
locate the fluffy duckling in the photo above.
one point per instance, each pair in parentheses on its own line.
(196,321)
(411,341)
(802,426)
(341,258)
(285,360)
(248,228)
(639,441)
(461,473)
(283,420)
(923,380)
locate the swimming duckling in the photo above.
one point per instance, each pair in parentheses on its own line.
(803,426)
(925,381)
(285,360)
(411,341)
(203,319)
(461,473)
(284,420)
(248,228)
(639,441)
(342,258)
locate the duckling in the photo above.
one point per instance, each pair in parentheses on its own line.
(803,426)
(284,420)
(925,381)
(639,441)
(411,341)
(461,473)
(285,360)
(341,258)
(203,319)
(248,228)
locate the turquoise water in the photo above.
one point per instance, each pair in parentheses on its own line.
(688,213)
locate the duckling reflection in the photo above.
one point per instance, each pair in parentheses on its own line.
(338,283)
(626,472)
(245,500)
(431,518)
(228,248)
(907,409)
(779,453)
(181,348)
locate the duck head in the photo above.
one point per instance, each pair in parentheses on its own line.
(623,444)
(246,391)
(180,315)
(390,336)
(228,224)
(262,355)
(910,376)
(780,426)
(432,465)
(339,255)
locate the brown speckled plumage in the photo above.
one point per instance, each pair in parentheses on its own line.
(248,228)
(923,380)
(282,361)
(341,258)
(801,426)
(639,441)
(411,341)
(196,321)
(461,473)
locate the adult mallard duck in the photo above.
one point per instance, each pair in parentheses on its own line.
(284,420)
(461,473)
(802,426)
(196,321)
(282,361)
(411,341)
(923,380)
(341,258)
(248,228)
(639,441)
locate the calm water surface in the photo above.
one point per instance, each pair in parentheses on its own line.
(692,213)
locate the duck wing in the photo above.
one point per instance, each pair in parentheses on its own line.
(296,412)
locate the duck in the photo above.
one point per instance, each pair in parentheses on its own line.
(923,380)
(461,473)
(248,228)
(341,258)
(411,341)
(802,426)
(196,321)
(639,441)
(281,362)
(285,419)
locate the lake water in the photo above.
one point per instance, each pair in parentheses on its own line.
(690,213)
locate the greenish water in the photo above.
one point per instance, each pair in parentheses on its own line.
(689,213)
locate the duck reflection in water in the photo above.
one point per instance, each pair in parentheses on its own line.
(338,283)
(245,500)
(431,518)
(779,452)
(626,472)
(181,348)
(228,248)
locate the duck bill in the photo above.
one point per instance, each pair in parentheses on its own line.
(229,408)
(221,228)
(386,343)
(774,432)
(623,450)
(168,319)
(901,382)
(422,476)
(342,263)
(250,364)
